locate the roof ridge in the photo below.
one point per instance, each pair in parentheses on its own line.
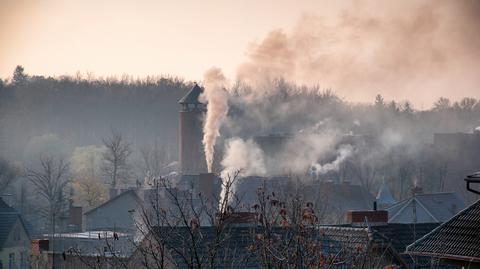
(111,200)
(443,224)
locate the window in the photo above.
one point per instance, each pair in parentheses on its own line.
(22,260)
(11,260)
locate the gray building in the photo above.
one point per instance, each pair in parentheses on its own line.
(114,214)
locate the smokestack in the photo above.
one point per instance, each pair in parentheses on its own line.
(191,152)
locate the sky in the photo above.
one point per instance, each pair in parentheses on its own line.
(358,48)
(146,37)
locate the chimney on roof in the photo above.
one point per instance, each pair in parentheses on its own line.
(75,217)
(417,190)
(374,217)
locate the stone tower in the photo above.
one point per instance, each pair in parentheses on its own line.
(191,151)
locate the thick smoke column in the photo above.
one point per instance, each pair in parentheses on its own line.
(216,97)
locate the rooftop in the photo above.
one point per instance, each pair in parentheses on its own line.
(192,97)
(431,207)
(456,239)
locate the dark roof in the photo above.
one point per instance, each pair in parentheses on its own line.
(456,239)
(4,208)
(395,237)
(236,251)
(233,249)
(8,218)
(401,235)
(129,192)
(474,175)
(192,96)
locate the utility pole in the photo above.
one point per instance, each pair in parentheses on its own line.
(53,239)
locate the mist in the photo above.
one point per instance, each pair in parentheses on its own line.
(415,50)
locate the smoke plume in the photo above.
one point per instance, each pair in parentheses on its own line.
(216,97)
(295,157)
(243,156)
(416,50)
(344,152)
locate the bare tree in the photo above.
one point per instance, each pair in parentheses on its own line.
(181,229)
(155,159)
(115,158)
(7,175)
(50,181)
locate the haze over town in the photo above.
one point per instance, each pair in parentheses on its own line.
(239,134)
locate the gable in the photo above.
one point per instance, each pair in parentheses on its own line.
(435,207)
(128,199)
(12,230)
(18,235)
(411,212)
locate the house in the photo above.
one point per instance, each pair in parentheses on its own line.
(114,214)
(455,242)
(14,239)
(397,236)
(239,244)
(426,208)
(239,247)
(81,250)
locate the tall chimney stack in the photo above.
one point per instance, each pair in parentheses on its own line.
(191,151)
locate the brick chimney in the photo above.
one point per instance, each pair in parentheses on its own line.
(75,217)
(374,217)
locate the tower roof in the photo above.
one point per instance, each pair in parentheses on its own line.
(385,197)
(192,96)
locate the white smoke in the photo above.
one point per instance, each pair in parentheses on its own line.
(295,157)
(243,156)
(216,97)
(343,153)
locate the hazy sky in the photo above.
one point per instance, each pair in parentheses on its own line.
(400,50)
(55,37)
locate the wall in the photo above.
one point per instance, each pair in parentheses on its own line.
(113,214)
(17,243)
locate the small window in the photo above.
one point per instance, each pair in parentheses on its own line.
(11,260)
(22,260)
